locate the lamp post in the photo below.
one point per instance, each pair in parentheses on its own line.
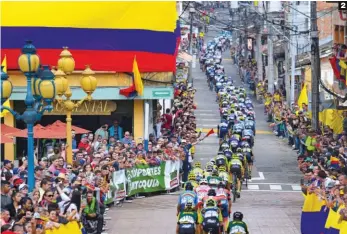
(39,97)
(66,65)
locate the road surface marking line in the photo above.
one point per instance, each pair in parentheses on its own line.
(271,191)
(253,187)
(206,114)
(261,177)
(296,187)
(206,130)
(275,183)
(205,119)
(263,132)
(275,187)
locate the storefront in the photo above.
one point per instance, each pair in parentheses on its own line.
(107,105)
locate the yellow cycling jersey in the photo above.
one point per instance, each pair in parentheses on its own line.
(225,176)
(235,161)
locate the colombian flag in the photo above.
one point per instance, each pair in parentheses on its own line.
(314,215)
(107,35)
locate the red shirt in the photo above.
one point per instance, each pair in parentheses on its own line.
(85,146)
(168,121)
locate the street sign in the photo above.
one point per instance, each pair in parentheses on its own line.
(161,93)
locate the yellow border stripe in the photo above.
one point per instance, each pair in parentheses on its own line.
(156,16)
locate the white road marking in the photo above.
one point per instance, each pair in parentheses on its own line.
(253,187)
(215,120)
(296,187)
(272,191)
(274,183)
(261,177)
(209,114)
(275,187)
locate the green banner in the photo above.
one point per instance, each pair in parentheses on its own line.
(145,179)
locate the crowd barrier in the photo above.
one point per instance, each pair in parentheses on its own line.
(317,218)
(144,179)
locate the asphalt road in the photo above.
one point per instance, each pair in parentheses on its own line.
(271,203)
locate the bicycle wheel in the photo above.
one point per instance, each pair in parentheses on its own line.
(234,186)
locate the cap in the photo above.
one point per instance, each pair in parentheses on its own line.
(44,159)
(22,186)
(7,162)
(84,135)
(38,168)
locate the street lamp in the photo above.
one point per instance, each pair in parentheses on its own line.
(66,65)
(39,97)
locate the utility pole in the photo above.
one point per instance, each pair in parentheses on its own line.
(292,54)
(258,51)
(191,12)
(270,56)
(315,71)
(286,60)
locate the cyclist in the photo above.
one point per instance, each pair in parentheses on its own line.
(187,196)
(221,160)
(214,179)
(237,226)
(235,167)
(197,171)
(202,189)
(225,176)
(224,199)
(222,130)
(247,151)
(208,169)
(211,219)
(192,179)
(187,220)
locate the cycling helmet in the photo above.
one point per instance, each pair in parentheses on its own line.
(188,205)
(239,150)
(211,192)
(214,172)
(220,153)
(246,145)
(209,168)
(210,203)
(197,165)
(238,216)
(213,161)
(189,186)
(203,181)
(191,177)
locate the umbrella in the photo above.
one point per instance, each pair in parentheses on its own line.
(61,127)
(40,132)
(5,129)
(5,139)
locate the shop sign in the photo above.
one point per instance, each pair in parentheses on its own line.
(161,94)
(94,107)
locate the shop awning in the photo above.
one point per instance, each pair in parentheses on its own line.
(5,139)
(61,127)
(40,132)
(5,129)
(185,56)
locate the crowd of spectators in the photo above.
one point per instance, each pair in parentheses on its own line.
(65,192)
(322,155)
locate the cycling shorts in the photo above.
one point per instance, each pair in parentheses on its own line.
(225,208)
(223,132)
(249,158)
(211,225)
(186,228)
(235,168)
